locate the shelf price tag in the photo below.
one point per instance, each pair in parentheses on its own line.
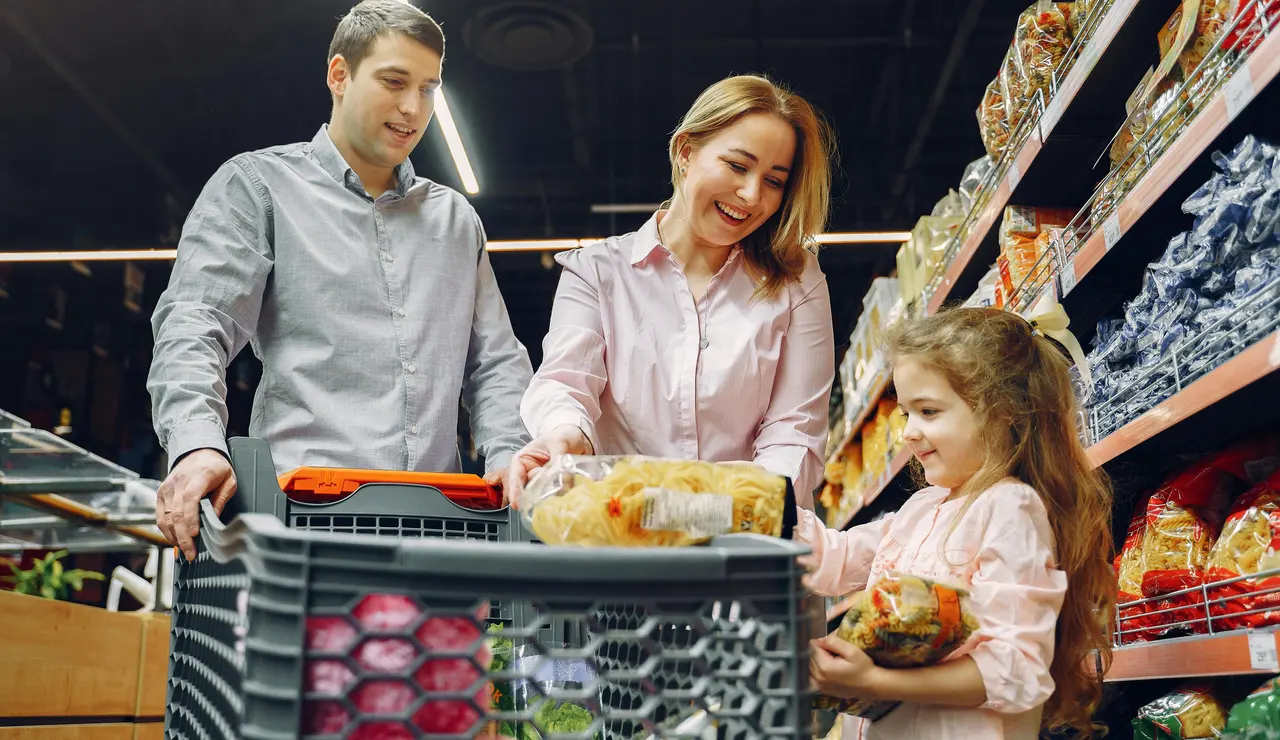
(1067,277)
(1052,113)
(1238,92)
(1111,232)
(1262,651)
(1015,175)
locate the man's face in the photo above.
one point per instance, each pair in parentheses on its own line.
(384,107)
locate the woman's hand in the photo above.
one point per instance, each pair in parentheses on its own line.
(563,440)
(841,670)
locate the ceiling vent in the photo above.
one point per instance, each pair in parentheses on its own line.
(528,35)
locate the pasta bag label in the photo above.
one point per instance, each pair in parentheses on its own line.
(696,514)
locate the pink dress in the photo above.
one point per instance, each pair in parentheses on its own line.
(1002,551)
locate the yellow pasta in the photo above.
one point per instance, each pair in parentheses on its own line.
(635,501)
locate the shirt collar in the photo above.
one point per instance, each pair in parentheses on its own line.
(335,164)
(647,240)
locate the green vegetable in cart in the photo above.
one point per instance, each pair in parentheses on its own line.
(1261,710)
(1189,713)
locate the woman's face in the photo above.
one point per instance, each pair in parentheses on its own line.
(735,179)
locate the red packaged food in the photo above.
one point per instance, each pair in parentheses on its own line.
(1251,460)
(1129,568)
(1250,544)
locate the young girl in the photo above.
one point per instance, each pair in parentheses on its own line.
(706,334)
(1014,513)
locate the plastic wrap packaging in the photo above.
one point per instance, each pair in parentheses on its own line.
(1258,713)
(1020,243)
(1184,518)
(1129,566)
(952,206)
(903,621)
(1247,32)
(973,183)
(930,239)
(1190,713)
(1210,25)
(985,295)
(634,501)
(1247,546)
(1043,37)
(1080,14)
(993,113)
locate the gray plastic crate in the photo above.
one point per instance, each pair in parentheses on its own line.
(242,664)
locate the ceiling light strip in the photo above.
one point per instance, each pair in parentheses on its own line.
(451,137)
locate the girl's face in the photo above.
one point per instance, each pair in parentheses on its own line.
(942,430)
(735,180)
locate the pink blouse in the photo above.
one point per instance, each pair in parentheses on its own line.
(633,361)
(1002,550)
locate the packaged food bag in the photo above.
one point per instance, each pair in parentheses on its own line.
(636,501)
(1042,39)
(1184,518)
(993,118)
(1188,713)
(1261,710)
(1248,545)
(1129,565)
(902,621)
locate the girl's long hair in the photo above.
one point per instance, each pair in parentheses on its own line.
(1018,385)
(775,251)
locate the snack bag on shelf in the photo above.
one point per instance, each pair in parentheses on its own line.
(1129,567)
(931,237)
(1080,16)
(1042,40)
(973,188)
(1210,24)
(1186,714)
(1252,460)
(1184,518)
(1020,243)
(952,205)
(636,501)
(903,621)
(833,473)
(1013,86)
(993,117)
(875,446)
(1261,710)
(852,464)
(1245,32)
(1248,545)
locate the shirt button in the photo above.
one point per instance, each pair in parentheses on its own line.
(412,368)
(400,312)
(703,344)
(413,429)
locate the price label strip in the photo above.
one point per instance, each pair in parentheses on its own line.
(1262,651)
(1111,232)
(1015,175)
(1238,92)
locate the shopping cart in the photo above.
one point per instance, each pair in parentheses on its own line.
(323,629)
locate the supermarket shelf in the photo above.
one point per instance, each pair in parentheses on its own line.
(1227,654)
(1260,69)
(1248,367)
(896,465)
(1118,18)
(878,387)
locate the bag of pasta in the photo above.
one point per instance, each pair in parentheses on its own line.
(1129,565)
(1184,518)
(902,621)
(1260,710)
(1248,545)
(1186,714)
(636,501)
(1043,37)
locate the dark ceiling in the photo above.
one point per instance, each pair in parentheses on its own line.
(116,112)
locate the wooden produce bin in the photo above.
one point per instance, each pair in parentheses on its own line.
(75,672)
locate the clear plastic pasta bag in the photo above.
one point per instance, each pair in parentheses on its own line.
(903,621)
(637,501)
(1190,712)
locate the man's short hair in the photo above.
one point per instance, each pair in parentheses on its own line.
(369,21)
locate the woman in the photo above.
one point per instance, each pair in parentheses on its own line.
(705,335)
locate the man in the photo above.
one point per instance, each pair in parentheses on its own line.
(366,292)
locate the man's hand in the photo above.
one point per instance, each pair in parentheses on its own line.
(563,440)
(196,475)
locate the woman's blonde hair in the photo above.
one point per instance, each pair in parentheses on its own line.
(775,251)
(1018,385)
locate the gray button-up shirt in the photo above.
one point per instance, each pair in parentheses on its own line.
(372,318)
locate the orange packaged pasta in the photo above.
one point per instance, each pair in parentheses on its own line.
(1129,567)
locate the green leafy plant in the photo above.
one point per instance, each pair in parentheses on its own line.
(49,579)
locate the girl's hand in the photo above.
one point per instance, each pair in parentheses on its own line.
(563,440)
(841,670)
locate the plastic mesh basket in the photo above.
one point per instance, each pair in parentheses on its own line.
(280,632)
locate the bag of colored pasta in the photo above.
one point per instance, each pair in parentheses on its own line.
(1260,711)
(1189,713)
(637,501)
(902,621)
